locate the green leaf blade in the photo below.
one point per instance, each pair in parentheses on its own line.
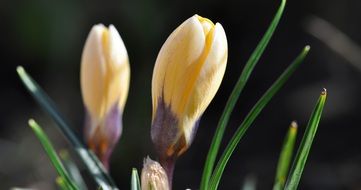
(135,182)
(48,105)
(92,163)
(306,144)
(246,72)
(285,157)
(251,116)
(54,158)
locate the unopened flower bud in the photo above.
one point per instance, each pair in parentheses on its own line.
(153,176)
(187,74)
(104,79)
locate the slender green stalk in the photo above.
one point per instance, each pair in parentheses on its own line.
(232,100)
(285,157)
(50,151)
(251,116)
(135,182)
(92,163)
(306,143)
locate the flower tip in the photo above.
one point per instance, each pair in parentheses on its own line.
(99,25)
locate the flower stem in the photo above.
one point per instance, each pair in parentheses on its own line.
(168,165)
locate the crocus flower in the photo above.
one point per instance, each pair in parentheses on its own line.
(153,176)
(187,74)
(104,79)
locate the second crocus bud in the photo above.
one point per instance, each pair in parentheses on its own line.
(187,74)
(153,176)
(104,79)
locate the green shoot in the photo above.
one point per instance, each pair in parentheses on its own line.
(55,160)
(135,182)
(92,163)
(285,157)
(306,143)
(252,115)
(232,100)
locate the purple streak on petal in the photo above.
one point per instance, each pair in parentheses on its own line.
(87,126)
(164,129)
(105,135)
(164,132)
(113,128)
(166,136)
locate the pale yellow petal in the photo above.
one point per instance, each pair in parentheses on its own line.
(187,82)
(177,56)
(208,81)
(189,46)
(105,71)
(93,71)
(118,71)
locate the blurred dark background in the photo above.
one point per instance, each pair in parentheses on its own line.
(47,38)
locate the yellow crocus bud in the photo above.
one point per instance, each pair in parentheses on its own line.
(187,74)
(153,176)
(104,77)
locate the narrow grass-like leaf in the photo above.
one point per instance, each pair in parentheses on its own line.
(48,105)
(251,116)
(72,169)
(92,163)
(232,100)
(306,143)
(55,160)
(135,182)
(285,157)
